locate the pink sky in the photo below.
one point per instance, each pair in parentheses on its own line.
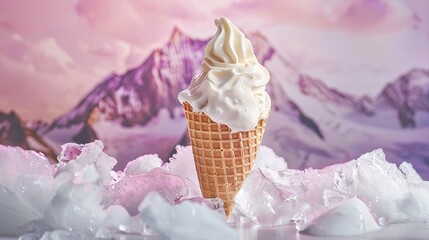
(53,52)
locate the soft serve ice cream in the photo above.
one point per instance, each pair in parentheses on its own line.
(231,87)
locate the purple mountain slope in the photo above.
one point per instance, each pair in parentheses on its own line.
(13,132)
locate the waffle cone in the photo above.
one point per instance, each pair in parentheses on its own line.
(222,159)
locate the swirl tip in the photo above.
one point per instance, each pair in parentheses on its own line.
(222,21)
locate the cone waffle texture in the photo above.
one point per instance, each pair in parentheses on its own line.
(222,159)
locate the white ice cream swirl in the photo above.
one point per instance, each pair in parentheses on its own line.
(231,87)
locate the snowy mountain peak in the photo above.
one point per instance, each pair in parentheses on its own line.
(404,100)
(417,77)
(136,96)
(411,88)
(177,35)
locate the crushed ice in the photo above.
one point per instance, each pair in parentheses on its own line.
(389,193)
(82,197)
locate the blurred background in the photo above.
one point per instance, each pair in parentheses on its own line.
(347,76)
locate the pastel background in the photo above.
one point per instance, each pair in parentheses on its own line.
(348,76)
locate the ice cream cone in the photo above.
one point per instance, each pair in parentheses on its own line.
(222,159)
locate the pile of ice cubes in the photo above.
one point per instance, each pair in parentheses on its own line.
(373,185)
(82,196)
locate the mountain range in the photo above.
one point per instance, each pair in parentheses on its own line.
(311,124)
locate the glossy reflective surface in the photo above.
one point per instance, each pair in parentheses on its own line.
(251,232)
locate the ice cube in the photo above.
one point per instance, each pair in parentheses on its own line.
(267,157)
(25,187)
(332,198)
(349,218)
(76,206)
(391,196)
(116,215)
(237,218)
(118,221)
(263,202)
(185,221)
(85,195)
(410,173)
(387,186)
(215,204)
(143,164)
(80,184)
(131,190)
(13,212)
(74,157)
(415,203)
(84,153)
(182,164)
